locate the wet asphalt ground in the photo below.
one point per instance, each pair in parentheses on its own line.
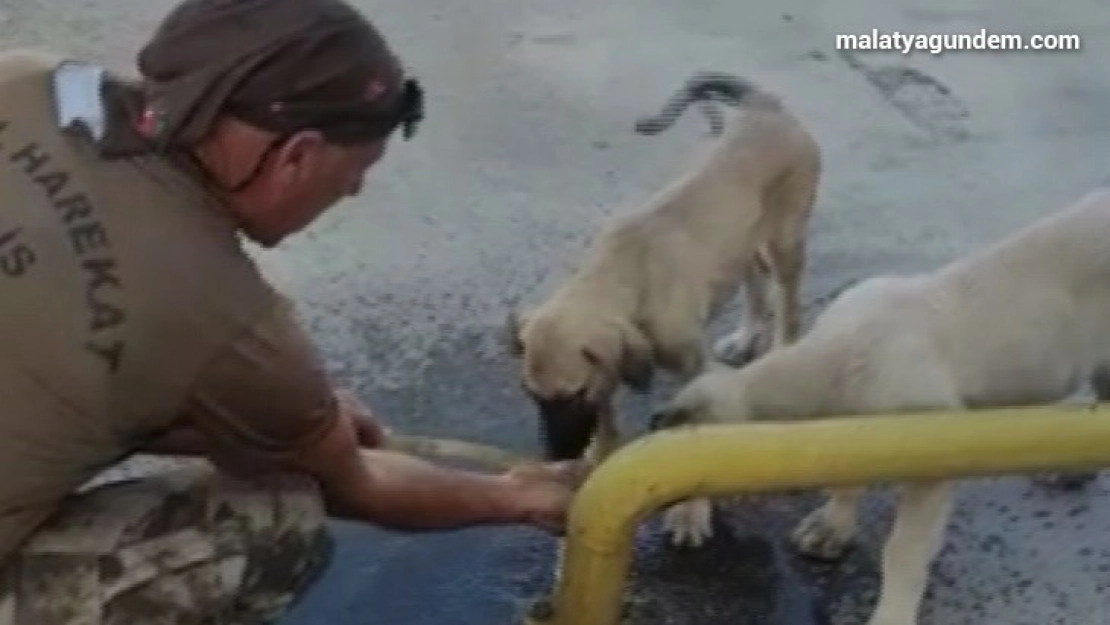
(529,143)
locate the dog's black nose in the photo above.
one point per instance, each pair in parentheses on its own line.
(565,440)
(567,427)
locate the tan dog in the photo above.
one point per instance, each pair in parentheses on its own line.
(1024,321)
(652,281)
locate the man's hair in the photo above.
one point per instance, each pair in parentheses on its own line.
(281,65)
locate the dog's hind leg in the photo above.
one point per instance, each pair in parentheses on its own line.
(786,247)
(914,541)
(787,264)
(829,530)
(752,336)
(791,202)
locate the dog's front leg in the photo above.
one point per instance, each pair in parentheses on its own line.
(915,539)
(690,522)
(606,438)
(829,530)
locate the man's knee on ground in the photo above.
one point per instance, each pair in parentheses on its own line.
(191,544)
(281,520)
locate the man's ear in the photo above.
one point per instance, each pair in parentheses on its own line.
(297,157)
(300,145)
(510,335)
(636,366)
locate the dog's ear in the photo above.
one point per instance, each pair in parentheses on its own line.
(625,352)
(636,364)
(511,333)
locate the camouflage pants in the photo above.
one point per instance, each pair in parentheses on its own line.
(187,547)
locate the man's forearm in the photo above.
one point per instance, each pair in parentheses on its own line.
(382,487)
(412,494)
(405,493)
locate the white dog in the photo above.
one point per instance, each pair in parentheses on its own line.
(1024,321)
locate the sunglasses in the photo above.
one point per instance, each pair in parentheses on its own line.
(349,123)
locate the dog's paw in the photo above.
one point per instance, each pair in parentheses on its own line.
(738,348)
(816,538)
(689,523)
(1065,480)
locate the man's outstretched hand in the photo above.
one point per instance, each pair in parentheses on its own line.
(546,492)
(538,494)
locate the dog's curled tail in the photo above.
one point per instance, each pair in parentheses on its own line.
(706,88)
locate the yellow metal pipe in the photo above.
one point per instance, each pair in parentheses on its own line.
(718,460)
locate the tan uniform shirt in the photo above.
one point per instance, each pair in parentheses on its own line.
(126,302)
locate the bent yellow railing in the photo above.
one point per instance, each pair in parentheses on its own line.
(717,460)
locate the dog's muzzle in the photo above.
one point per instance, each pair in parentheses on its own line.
(567,426)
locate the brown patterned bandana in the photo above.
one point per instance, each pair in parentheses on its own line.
(281,65)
